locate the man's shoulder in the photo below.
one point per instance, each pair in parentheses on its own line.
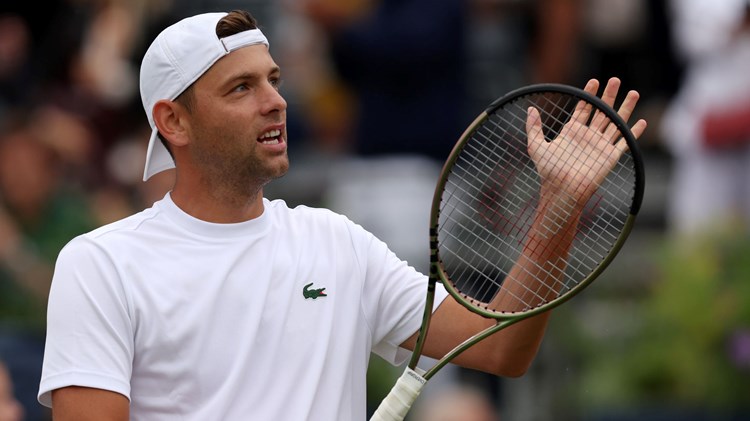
(115,232)
(117,238)
(280,208)
(311,216)
(135,222)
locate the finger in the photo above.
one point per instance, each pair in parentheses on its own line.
(625,111)
(583,108)
(628,105)
(638,128)
(600,121)
(592,86)
(610,91)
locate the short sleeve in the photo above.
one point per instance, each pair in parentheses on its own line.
(393,299)
(89,331)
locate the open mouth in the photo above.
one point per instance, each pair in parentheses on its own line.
(271,137)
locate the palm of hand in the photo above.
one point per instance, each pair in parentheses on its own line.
(576,162)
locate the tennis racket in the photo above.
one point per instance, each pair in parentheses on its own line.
(546,165)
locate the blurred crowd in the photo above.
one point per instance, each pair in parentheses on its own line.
(378,92)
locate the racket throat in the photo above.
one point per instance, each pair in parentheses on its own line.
(429,302)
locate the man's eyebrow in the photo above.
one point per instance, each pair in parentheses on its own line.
(251,76)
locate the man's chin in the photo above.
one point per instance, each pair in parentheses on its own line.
(278,172)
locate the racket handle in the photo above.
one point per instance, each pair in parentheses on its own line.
(399,400)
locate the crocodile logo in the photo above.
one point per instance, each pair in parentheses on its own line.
(313,293)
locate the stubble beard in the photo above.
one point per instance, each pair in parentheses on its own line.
(238,175)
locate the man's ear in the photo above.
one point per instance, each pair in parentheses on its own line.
(169,117)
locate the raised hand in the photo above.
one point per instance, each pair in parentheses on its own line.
(574,164)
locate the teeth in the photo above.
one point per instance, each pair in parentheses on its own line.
(270,134)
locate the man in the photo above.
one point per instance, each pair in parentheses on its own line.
(218,304)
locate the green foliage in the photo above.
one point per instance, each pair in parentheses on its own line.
(694,326)
(381,376)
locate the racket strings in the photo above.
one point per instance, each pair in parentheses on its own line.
(475,252)
(492,194)
(527,184)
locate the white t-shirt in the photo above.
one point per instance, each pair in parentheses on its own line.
(269,319)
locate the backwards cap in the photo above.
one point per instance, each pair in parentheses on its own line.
(178,57)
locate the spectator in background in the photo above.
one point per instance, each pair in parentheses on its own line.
(707,126)
(15,42)
(10,408)
(38,215)
(408,62)
(403,64)
(515,43)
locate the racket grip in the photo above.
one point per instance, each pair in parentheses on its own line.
(396,405)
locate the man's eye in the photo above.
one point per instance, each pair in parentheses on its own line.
(240,88)
(276,83)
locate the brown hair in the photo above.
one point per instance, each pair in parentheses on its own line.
(235,22)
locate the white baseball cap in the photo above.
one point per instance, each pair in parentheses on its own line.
(178,57)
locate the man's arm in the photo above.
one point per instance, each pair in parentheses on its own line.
(88,327)
(510,351)
(88,404)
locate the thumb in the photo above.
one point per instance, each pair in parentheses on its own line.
(534,129)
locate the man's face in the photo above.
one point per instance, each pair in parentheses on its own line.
(238,121)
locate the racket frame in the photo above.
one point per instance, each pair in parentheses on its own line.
(437,273)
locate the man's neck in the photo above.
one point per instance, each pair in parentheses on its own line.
(217,206)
